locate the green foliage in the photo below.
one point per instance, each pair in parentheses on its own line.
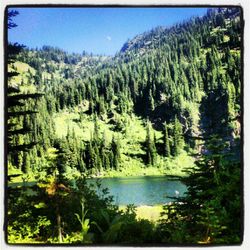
(168,93)
(125,229)
(209,212)
(85,225)
(26,233)
(114,226)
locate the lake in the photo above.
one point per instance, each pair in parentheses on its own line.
(144,190)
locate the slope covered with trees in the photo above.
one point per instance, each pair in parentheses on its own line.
(168,103)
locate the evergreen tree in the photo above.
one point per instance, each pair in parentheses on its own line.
(115,147)
(178,141)
(19,105)
(211,204)
(150,146)
(166,144)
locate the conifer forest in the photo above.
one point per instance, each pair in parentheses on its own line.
(167,106)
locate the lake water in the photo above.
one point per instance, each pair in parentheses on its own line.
(145,190)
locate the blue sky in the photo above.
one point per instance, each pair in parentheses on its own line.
(96,30)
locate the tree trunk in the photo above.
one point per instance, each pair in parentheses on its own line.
(59,228)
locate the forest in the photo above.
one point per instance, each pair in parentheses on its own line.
(169,103)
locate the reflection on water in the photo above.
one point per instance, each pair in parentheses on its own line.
(145,190)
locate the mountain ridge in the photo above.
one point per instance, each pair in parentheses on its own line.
(168,84)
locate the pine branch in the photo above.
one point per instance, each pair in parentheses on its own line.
(22,147)
(19,113)
(11,14)
(12,89)
(19,131)
(12,74)
(24,96)
(12,176)
(16,103)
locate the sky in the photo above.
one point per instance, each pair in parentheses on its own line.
(100,31)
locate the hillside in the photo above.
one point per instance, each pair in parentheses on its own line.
(194,56)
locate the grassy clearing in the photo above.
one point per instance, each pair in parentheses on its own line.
(151,213)
(65,121)
(165,166)
(24,70)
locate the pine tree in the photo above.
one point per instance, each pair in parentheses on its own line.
(166,144)
(150,146)
(212,202)
(115,147)
(19,105)
(150,103)
(178,141)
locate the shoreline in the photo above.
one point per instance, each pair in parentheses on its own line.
(177,177)
(147,212)
(33,181)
